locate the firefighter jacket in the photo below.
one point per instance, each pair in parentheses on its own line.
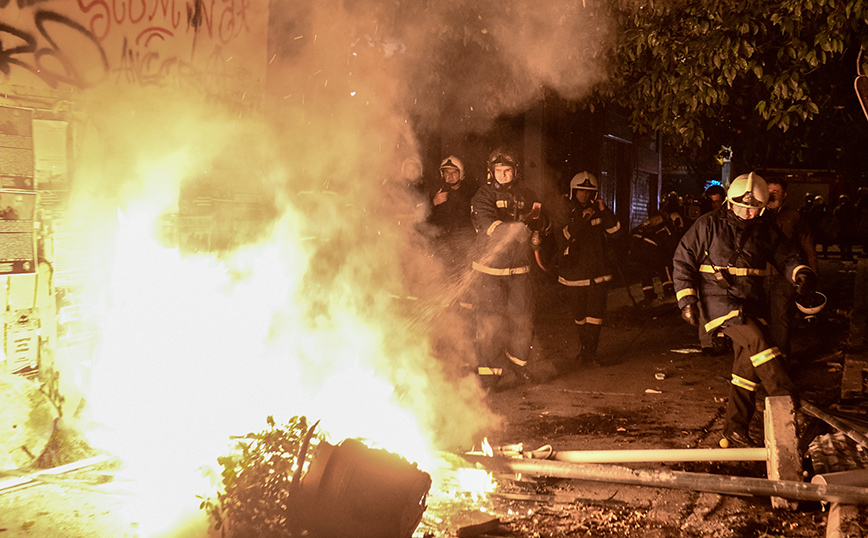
(452,217)
(503,240)
(728,285)
(583,244)
(659,231)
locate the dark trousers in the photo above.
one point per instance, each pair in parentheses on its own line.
(756,362)
(504,318)
(782,311)
(653,262)
(588,304)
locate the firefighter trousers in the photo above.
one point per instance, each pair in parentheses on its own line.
(588,304)
(756,363)
(504,319)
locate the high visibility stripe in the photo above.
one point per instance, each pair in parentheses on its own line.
(614,228)
(494,225)
(735,271)
(594,321)
(717,322)
(601,279)
(685,293)
(485,370)
(764,356)
(500,272)
(746,384)
(596,222)
(566,232)
(798,268)
(581,321)
(502,203)
(516,360)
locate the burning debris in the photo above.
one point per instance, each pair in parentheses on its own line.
(287,481)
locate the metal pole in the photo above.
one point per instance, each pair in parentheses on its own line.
(662,455)
(723,484)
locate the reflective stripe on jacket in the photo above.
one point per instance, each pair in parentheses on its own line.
(709,245)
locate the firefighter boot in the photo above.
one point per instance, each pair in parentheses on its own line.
(650,296)
(519,368)
(737,439)
(489,377)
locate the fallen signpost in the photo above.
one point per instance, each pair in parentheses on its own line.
(711,483)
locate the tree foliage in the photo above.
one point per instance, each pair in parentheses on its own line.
(256,497)
(697,69)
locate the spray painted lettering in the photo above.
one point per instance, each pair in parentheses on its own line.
(42,53)
(209,44)
(224,21)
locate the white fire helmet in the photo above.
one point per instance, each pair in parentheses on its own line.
(584,181)
(749,190)
(454,163)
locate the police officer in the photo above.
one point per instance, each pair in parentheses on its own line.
(505,214)
(584,269)
(719,268)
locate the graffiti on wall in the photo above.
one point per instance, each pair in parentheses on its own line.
(212,45)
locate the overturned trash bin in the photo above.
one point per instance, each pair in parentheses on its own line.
(353,490)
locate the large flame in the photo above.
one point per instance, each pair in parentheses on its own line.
(320,313)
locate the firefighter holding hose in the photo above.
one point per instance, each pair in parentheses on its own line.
(719,268)
(508,220)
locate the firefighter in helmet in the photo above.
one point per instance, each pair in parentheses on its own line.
(452,232)
(450,199)
(505,214)
(719,269)
(584,269)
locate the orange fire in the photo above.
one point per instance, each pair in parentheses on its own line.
(309,316)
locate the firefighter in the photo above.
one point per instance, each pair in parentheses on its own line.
(584,269)
(506,216)
(653,243)
(450,200)
(453,233)
(719,268)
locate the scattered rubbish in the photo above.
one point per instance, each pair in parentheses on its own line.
(659,376)
(687,350)
(653,391)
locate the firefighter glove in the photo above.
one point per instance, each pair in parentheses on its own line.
(806,282)
(690,314)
